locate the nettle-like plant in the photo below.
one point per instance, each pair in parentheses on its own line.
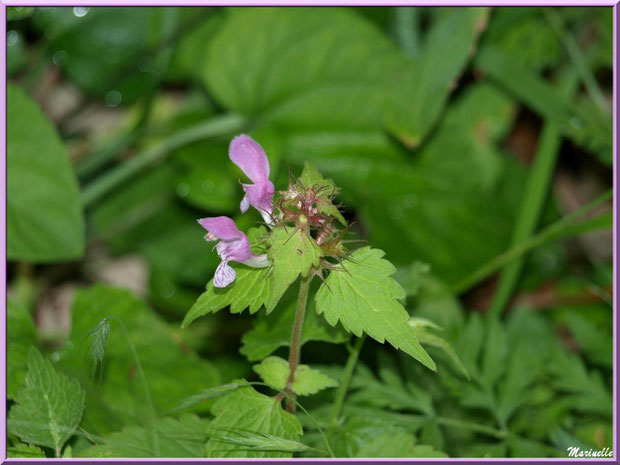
(304,237)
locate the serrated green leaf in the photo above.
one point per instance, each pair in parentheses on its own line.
(44,214)
(275,372)
(247,410)
(118,399)
(274,330)
(251,288)
(364,298)
(292,252)
(312,178)
(21,334)
(49,406)
(183,438)
(25,451)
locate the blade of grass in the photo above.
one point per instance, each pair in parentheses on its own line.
(580,121)
(578,58)
(537,94)
(217,126)
(564,227)
(341,393)
(534,198)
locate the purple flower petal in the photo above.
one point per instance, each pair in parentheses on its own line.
(260,196)
(220,227)
(248,155)
(224,275)
(236,250)
(233,246)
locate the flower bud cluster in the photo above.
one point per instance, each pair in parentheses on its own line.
(309,207)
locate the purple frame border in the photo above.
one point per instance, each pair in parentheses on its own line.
(616,211)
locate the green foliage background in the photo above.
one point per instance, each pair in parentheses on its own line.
(118,125)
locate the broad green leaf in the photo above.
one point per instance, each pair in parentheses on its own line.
(118,399)
(364,298)
(247,410)
(275,372)
(183,438)
(397,444)
(421,93)
(21,335)
(49,406)
(251,288)
(191,49)
(274,330)
(25,451)
(292,253)
(44,214)
(257,60)
(258,64)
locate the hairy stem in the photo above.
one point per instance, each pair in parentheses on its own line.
(346,381)
(295,349)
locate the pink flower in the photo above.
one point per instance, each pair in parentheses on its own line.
(233,246)
(248,155)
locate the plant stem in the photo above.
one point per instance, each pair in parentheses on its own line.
(346,381)
(563,227)
(295,349)
(217,126)
(534,198)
